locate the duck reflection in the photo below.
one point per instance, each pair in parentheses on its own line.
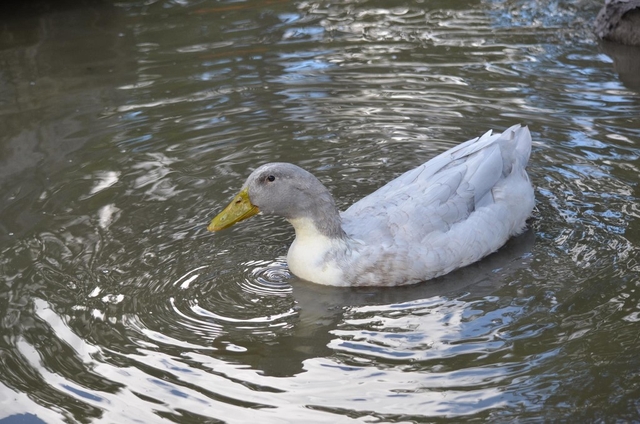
(325,311)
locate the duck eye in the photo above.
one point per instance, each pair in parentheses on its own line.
(271,178)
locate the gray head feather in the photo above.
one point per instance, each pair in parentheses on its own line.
(286,190)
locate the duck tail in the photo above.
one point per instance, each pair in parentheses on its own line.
(515,146)
(523,145)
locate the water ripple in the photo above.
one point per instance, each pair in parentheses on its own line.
(117,304)
(267,277)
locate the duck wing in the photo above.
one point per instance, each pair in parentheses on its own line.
(441,192)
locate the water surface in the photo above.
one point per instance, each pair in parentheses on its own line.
(127,125)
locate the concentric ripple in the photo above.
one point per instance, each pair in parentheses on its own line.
(201,310)
(267,277)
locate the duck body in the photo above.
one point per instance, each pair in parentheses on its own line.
(619,21)
(445,214)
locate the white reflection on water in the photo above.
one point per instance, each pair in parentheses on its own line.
(198,383)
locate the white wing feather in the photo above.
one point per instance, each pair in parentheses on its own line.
(447,213)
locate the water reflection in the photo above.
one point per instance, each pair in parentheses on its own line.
(53,87)
(327,323)
(117,305)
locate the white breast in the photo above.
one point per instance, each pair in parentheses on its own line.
(313,256)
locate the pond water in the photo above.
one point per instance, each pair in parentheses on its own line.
(125,127)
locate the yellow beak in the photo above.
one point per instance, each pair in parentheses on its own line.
(239,209)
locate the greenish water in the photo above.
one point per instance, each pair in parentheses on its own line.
(125,126)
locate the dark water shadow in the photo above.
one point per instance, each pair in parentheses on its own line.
(626,63)
(62,64)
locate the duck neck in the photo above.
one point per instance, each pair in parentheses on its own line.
(309,229)
(320,218)
(317,250)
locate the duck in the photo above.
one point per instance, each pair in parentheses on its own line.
(447,213)
(619,21)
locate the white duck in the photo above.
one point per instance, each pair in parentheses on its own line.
(447,213)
